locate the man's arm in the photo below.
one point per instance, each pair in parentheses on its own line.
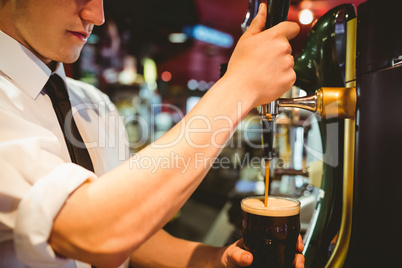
(122,209)
(105,220)
(164,250)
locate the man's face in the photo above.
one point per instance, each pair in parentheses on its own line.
(55,30)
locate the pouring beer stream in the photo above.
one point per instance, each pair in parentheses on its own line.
(267,170)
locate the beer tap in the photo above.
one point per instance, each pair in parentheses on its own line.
(277,11)
(269,111)
(327,102)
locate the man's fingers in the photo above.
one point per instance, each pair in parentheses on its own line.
(258,23)
(299,261)
(299,258)
(289,29)
(300,245)
(238,256)
(242,257)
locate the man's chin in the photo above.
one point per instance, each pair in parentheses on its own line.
(69,57)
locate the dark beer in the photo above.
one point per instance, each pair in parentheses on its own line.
(270,233)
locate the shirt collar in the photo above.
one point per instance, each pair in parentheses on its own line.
(23,67)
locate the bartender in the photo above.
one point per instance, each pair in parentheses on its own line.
(70,195)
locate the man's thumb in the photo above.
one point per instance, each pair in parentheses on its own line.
(258,23)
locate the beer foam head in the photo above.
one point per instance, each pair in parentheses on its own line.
(276,207)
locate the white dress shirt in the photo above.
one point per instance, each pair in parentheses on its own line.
(36,173)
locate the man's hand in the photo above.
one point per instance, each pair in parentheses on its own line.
(261,65)
(235,256)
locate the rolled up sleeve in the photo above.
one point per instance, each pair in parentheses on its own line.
(37,211)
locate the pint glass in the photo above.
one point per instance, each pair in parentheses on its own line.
(270,233)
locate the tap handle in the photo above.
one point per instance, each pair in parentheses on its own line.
(251,13)
(277,11)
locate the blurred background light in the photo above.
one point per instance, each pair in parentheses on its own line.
(177,38)
(208,35)
(306,16)
(192,84)
(166,76)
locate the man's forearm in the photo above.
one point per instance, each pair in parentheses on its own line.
(164,250)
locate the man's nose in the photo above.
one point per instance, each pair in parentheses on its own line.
(92,12)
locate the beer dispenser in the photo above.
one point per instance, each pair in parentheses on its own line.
(376,232)
(320,72)
(351,69)
(364,100)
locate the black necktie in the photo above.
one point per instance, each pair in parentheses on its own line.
(57,92)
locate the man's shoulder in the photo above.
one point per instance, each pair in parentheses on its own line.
(9,91)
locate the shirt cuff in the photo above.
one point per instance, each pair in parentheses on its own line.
(37,211)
